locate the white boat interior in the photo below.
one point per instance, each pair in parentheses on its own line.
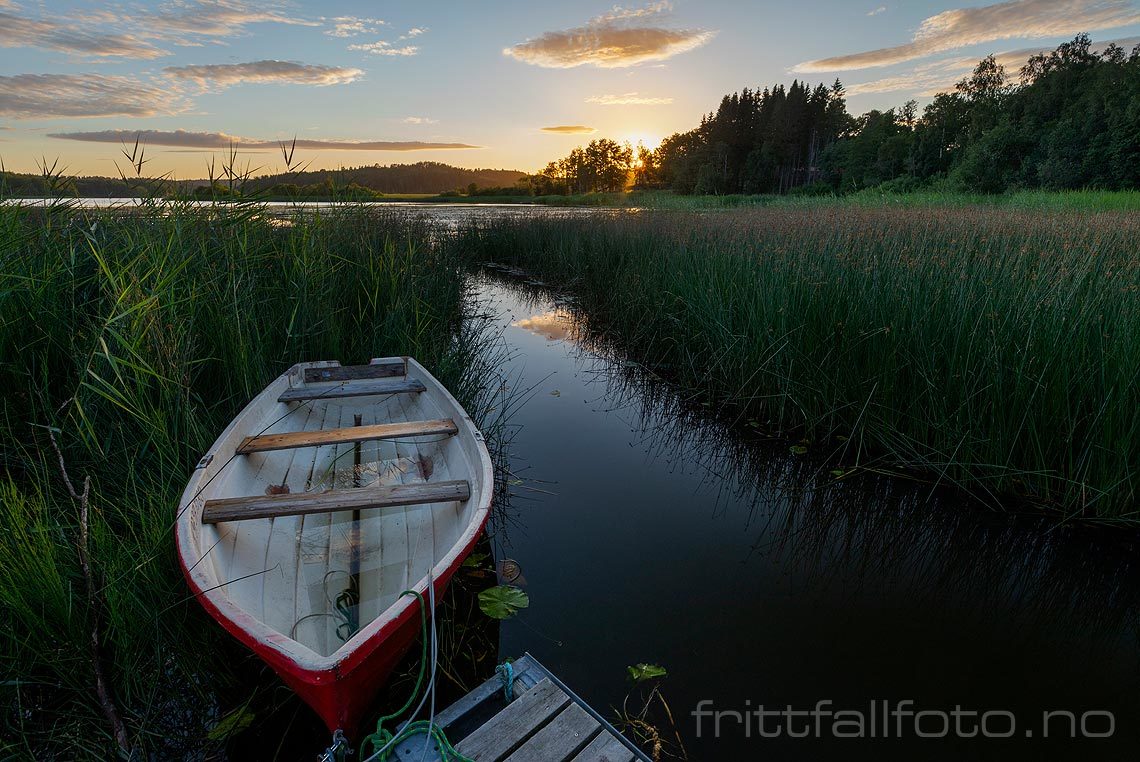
(318,575)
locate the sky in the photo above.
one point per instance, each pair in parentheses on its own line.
(504,84)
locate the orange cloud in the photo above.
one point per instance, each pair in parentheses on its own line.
(628,99)
(23,32)
(1014,19)
(187,139)
(616,39)
(570,129)
(941,76)
(260,72)
(33,96)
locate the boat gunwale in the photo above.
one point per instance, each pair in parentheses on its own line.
(291,654)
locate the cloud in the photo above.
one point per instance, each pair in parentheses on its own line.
(201,140)
(877,11)
(33,96)
(962,27)
(941,76)
(23,32)
(107,33)
(384,48)
(618,13)
(350,26)
(213,18)
(615,39)
(415,31)
(260,72)
(628,99)
(419,120)
(570,129)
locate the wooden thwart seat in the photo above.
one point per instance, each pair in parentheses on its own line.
(352,389)
(331,501)
(380,369)
(350,435)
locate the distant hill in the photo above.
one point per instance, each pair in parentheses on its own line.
(421,177)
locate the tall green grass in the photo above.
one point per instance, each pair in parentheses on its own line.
(1044,201)
(996,349)
(137,335)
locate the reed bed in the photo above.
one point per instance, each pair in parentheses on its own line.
(996,349)
(134,336)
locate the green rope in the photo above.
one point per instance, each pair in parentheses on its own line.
(384,738)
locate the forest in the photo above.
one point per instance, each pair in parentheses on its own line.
(1070,119)
(354,182)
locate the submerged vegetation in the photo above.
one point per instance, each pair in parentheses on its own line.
(993,349)
(134,338)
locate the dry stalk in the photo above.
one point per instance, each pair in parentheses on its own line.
(102,687)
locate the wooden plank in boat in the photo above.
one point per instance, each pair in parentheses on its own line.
(353,389)
(605,748)
(517,722)
(563,737)
(331,501)
(384,369)
(349,435)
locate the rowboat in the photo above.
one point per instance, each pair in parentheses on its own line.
(337,489)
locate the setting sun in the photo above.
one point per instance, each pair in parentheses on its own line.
(648,139)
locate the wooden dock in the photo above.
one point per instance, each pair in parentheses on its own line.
(545,722)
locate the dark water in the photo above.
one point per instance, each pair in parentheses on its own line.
(647,534)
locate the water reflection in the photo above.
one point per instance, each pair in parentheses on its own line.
(555,325)
(755,576)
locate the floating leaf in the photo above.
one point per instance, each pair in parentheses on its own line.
(556,393)
(639,673)
(232,724)
(798,449)
(475,560)
(503,602)
(837,472)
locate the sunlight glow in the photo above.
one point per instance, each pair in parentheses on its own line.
(649,139)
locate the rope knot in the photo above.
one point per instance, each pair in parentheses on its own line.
(506,672)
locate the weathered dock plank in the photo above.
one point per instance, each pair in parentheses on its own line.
(512,726)
(563,737)
(605,748)
(545,722)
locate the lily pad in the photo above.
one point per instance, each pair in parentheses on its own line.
(639,673)
(798,449)
(503,602)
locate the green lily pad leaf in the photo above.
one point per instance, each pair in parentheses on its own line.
(503,602)
(837,472)
(475,560)
(639,673)
(232,724)
(798,449)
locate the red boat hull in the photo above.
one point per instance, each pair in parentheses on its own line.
(343,694)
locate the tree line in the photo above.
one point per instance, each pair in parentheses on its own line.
(1070,119)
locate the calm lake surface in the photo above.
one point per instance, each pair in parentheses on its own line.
(647,534)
